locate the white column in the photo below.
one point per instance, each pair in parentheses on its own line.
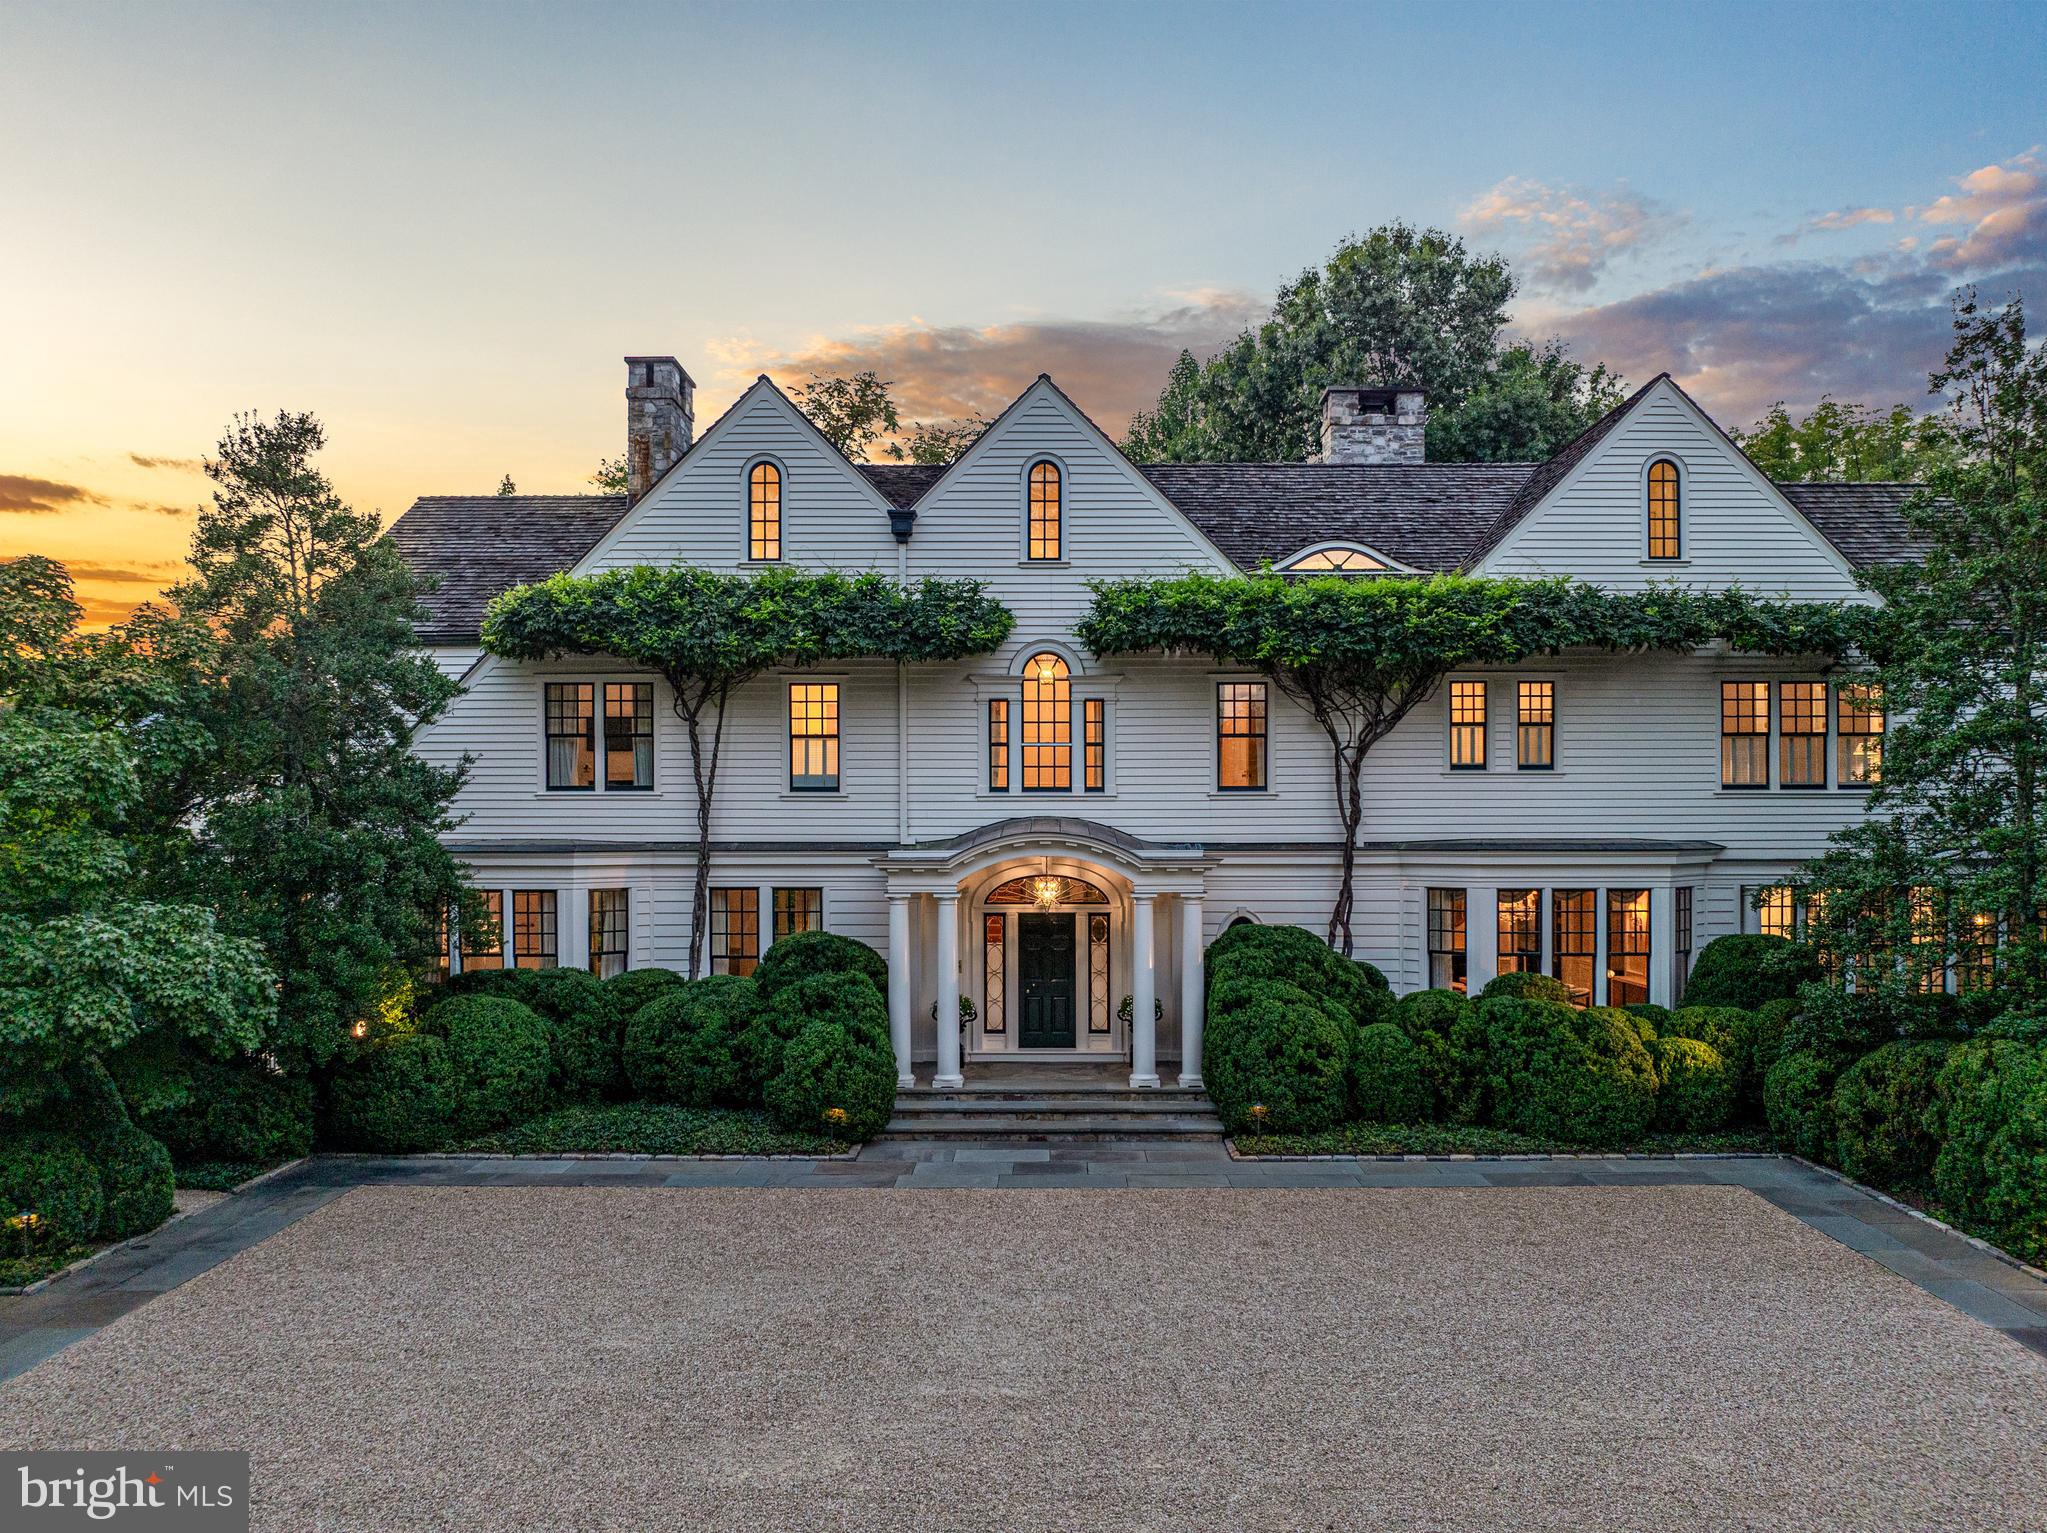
(1662,946)
(948,1073)
(1144,1040)
(899,985)
(1192,999)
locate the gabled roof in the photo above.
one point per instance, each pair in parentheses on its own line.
(903,483)
(1864,521)
(475,546)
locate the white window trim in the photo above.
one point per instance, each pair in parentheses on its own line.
(745,558)
(596,681)
(1684,511)
(1450,684)
(1217,680)
(812,678)
(1556,767)
(1023,543)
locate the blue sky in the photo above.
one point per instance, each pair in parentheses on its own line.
(441,226)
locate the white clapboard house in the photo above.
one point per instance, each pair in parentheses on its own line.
(1049,838)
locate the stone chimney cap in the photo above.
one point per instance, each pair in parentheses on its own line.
(1375,397)
(652,362)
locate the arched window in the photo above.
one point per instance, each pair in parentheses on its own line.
(1044,532)
(1349,560)
(1665,515)
(764,512)
(1047,725)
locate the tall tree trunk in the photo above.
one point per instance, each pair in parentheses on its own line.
(705,772)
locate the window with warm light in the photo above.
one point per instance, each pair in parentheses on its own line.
(1776,910)
(1446,939)
(813,737)
(1240,736)
(1520,931)
(735,930)
(1094,742)
(798,910)
(1927,962)
(1047,725)
(1665,518)
(1744,734)
(1325,560)
(998,745)
(1801,734)
(1627,947)
(1467,726)
(1574,941)
(610,932)
(1045,532)
(1535,725)
(1859,734)
(764,512)
(534,943)
(484,946)
(628,736)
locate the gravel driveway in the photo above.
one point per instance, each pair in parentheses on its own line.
(644,1358)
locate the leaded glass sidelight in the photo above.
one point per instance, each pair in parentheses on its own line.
(1098,1012)
(994,974)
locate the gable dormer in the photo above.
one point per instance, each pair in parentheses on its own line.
(1656,492)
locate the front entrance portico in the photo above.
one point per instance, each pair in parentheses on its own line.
(1048,939)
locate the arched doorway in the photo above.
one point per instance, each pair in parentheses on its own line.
(1047,964)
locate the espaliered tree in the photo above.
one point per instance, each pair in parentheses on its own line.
(1359,655)
(708,633)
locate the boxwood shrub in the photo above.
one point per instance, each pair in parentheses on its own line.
(1296,956)
(398,1096)
(1271,1044)
(1991,1172)
(1527,985)
(136,1185)
(49,1175)
(1798,1102)
(683,1045)
(499,1060)
(634,988)
(831,1068)
(844,997)
(1649,1018)
(1385,1076)
(1884,1124)
(1746,970)
(237,1111)
(1557,1073)
(586,1029)
(1694,1085)
(808,955)
(1430,1019)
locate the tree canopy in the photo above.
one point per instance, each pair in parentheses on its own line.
(1395,307)
(1360,654)
(1846,443)
(707,633)
(1960,812)
(853,413)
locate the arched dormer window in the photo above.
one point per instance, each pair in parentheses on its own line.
(1047,725)
(1666,513)
(1339,557)
(1044,530)
(764,512)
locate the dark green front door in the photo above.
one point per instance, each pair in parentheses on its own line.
(1045,978)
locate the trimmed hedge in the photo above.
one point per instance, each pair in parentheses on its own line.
(1694,1085)
(1385,1076)
(1271,1045)
(1557,1073)
(683,1045)
(832,1068)
(48,1174)
(1296,956)
(810,955)
(586,1030)
(634,988)
(1882,1107)
(1798,1103)
(1430,1018)
(499,1060)
(1527,985)
(137,1188)
(1649,1018)
(1991,1101)
(1745,971)
(845,998)
(398,1096)
(237,1112)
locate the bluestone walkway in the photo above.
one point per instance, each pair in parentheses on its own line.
(35,1326)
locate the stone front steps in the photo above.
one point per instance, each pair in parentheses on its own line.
(1046,1112)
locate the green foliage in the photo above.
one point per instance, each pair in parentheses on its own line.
(1798,1102)
(1772,1020)
(1649,1018)
(939,441)
(1845,443)
(498,1060)
(634,988)
(845,999)
(1960,656)
(1745,970)
(398,1096)
(835,1079)
(318,827)
(1385,1075)
(1991,1171)
(240,1111)
(1527,986)
(1884,1124)
(1269,1044)
(48,1174)
(1355,992)
(1432,1019)
(1582,1076)
(805,955)
(613,476)
(1468,1139)
(706,632)
(653,1128)
(1397,306)
(1529,406)
(853,413)
(136,1181)
(683,1046)
(585,1027)
(1695,1085)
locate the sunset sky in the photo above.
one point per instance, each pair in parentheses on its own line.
(440,227)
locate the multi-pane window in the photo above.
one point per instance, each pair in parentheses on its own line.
(1446,939)
(1520,949)
(571,745)
(998,745)
(1976,952)
(1467,726)
(1859,734)
(1047,725)
(994,974)
(1240,735)
(533,929)
(1627,946)
(437,968)
(1776,911)
(1744,734)
(798,910)
(764,512)
(483,946)
(610,932)
(1044,532)
(813,736)
(1801,734)
(1665,522)
(1535,725)
(1574,941)
(1094,742)
(735,930)
(1927,963)
(628,736)
(1681,935)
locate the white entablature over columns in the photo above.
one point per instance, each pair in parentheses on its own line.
(1068,940)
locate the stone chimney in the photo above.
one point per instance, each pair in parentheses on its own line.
(659,414)
(1371,425)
